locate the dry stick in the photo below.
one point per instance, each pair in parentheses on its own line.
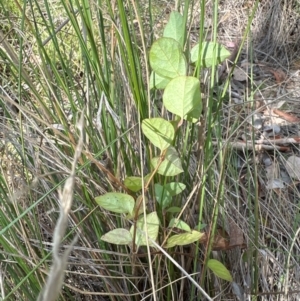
(294,140)
(243,145)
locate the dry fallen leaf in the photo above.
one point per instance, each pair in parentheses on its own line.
(286,116)
(223,241)
(239,74)
(279,75)
(236,236)
(292,166)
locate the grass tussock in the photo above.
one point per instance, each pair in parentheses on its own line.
(65,63)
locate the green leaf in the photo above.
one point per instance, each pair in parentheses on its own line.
(173,209)
(167,59)
(135,183)
(219,269)
(177,223)
(182,95)
(159,131)
(116,202)
(207,54)
(157,81)
(139,205)
(183,239)
(162,196)
(194,115)
(171,165)
(201,226)
(174,188)
(118,236)
(175,27)
(152,226)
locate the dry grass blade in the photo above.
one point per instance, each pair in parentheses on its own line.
(56,275)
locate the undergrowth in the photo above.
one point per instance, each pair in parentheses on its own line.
(123,172)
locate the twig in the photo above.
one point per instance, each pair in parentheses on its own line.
(243,145)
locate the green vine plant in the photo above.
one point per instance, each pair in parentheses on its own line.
(182,98)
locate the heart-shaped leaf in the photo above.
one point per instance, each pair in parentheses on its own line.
(175,27)
(174,188)
(164,194)
(157,81)
(159,131)
(167,58)
(116,202)
(182,95)
(207,54)
(177,223)
(118,236)
(152,226)
(170,166)
(196,112)
(183,239)
(163,197)
(135,183)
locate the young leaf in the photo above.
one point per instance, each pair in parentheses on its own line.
(135,183)
(207,53)
(183,239)
(174,28)
(116,202)
(177,223)
(159,131)
(182,95)
(118,236)
(157,81)
(171,165)
(219,269)
(151,226)
(167,59)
